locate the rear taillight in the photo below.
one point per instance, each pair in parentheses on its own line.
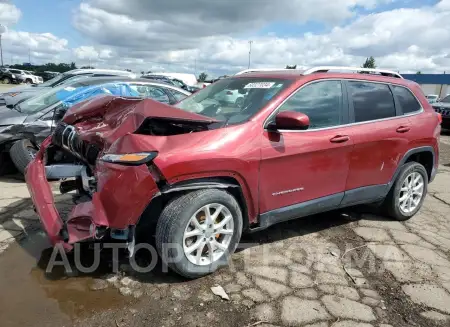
(229,93)
(439,118)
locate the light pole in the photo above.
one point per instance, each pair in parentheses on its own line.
(249,53)
(2,30)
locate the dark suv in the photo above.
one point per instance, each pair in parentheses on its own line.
(443,108)
(203,172)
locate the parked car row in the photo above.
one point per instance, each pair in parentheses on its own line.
(31,114)
(17,76)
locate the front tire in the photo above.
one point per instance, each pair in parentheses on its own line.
(22,153)
(408,192)
(198,231)
(6,80)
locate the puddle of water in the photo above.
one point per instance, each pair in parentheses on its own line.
(29,296)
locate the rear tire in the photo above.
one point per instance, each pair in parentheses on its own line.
(407,194)
(22,153)
(212,246)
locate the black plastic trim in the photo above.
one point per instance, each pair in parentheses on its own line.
(299,210)
(364,195)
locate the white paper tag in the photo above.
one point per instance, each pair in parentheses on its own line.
(259,85)
(70,88)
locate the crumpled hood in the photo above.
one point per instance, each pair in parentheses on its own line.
(102,120)
(11,116)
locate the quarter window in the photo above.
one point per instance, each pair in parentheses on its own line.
(407,100)
(371,101)
(320,101)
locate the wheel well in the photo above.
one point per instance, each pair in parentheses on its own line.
(425,158)
(152,212)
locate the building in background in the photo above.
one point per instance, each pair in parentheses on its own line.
(438,84)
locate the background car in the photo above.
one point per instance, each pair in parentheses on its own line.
(26,76)
(173,81)
(8,77)
(47,75)
(26,124)
(443,107)
(16,94)
(432,98)
(232,97)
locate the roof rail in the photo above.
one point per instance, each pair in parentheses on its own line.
(255,70)
(324,69)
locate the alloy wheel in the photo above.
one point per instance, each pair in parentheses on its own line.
(411,193)
(208,234)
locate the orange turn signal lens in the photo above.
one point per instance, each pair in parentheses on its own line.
(133,159)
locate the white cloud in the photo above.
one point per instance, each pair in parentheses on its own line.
(140,34)
(9,13)
(41,47)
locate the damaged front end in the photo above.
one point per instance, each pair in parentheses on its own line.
(110,143)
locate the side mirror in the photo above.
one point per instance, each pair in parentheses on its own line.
(60,111)
(290,120)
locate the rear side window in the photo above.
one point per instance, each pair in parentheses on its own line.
(407,100)
(371,101)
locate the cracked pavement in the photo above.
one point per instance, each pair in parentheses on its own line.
(339,269)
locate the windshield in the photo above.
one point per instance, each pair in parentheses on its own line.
(234,100)
(71,94)
(446,99)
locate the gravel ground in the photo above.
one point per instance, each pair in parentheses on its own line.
(339,269)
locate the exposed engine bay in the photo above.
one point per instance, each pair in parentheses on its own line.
(84,135)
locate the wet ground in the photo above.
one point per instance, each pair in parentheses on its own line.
(339,269)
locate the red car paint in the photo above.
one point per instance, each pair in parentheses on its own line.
(321,163)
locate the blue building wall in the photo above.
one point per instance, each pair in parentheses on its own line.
(429,78)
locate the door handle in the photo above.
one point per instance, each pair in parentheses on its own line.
(340,139)
(403,129)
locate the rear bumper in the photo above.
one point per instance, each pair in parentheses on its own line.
(123,193)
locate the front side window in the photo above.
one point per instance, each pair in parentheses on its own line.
(246,96)
(322,102)
(407,100)
(371,101)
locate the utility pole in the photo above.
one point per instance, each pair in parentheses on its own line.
(1,49)
(249,53)
(195,67)
(29,56)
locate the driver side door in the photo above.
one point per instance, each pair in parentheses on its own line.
(303,172)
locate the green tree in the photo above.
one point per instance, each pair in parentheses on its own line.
(291,66)
(202,77)
(419,72)
(369,63)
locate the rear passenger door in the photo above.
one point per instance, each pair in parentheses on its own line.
(380,135)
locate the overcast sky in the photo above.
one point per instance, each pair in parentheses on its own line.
(213,35)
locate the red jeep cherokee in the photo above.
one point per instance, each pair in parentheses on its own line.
(293,144)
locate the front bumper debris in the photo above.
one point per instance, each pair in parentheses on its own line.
(123,192)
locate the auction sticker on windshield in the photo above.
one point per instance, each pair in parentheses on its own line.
(259,85)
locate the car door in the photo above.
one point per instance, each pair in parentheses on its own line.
(307,169)
(380,134)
